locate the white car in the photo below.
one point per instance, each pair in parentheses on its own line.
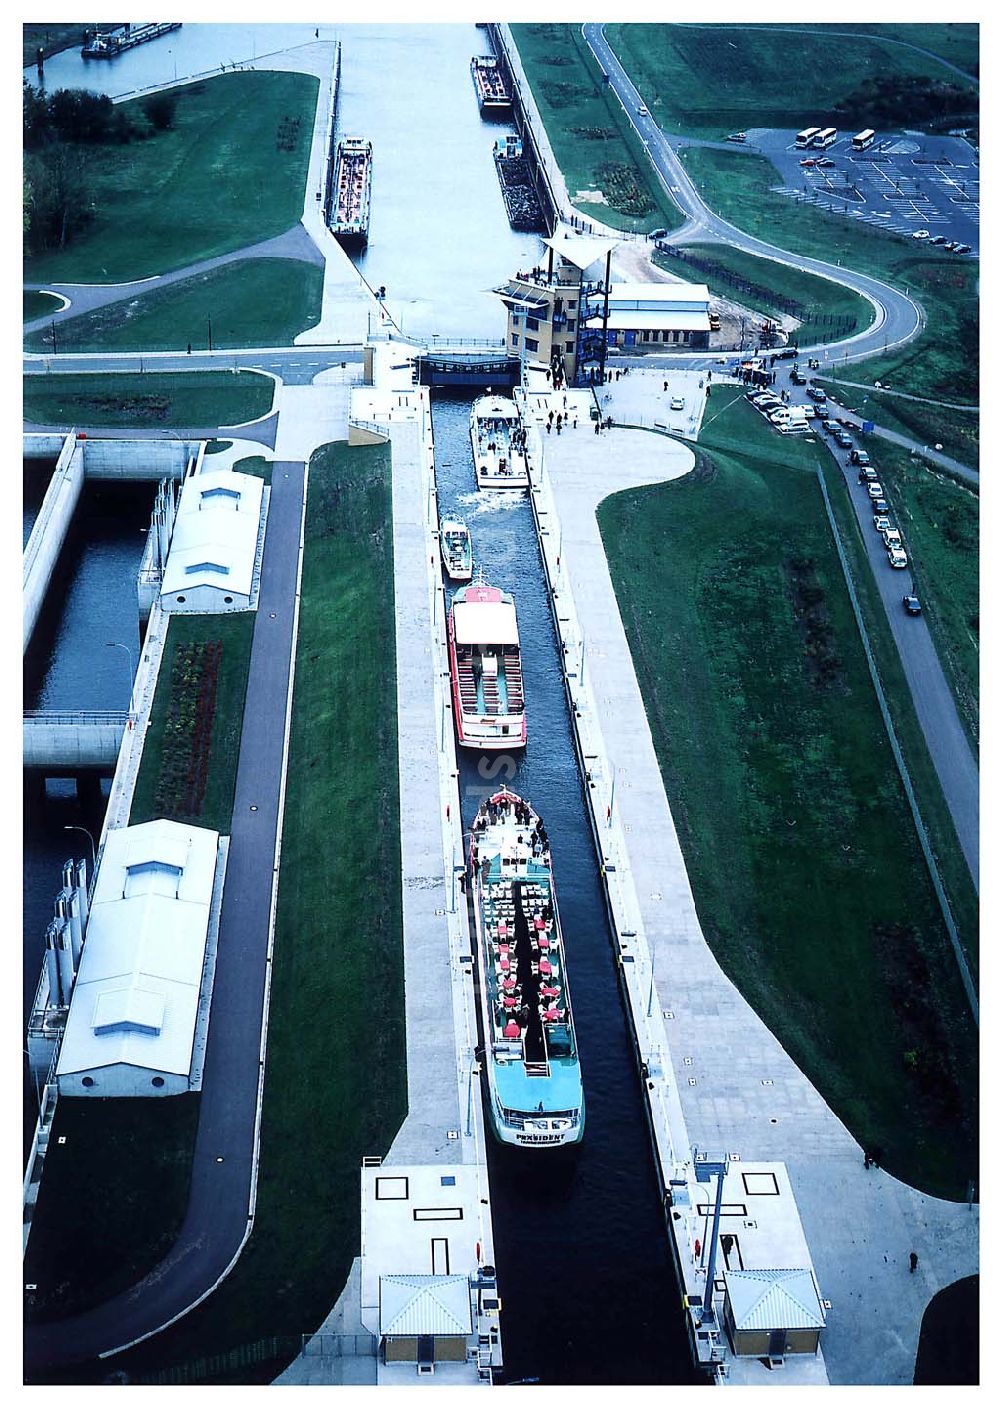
(882,522)
(921,235)
(891,537)
(875,491)
(644,113)
(677,402)
(897,558)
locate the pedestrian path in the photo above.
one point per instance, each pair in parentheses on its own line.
(740,1092)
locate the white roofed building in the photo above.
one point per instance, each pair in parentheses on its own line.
(213,550)
(644,314)
(133,1013)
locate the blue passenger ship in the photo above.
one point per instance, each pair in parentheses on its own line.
(532,1065)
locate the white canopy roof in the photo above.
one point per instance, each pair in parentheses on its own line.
(580,250)
(424,1304)
(774,1299)
(657,293)
(138,986)
(651,320)
(485,623)
(214,542)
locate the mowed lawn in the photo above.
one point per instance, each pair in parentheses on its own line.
(36,303)
(709,80)
(771,288)
(231,171)
(335,1085)
(593,142)
(803,859)
(924,422)
(202,399)
(249,304)
(235,635)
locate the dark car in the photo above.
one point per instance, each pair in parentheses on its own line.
(797,378)
(867,475)
(860,456)
(937,241)
(962,249)
(911,605)
(843,439)
(880,505)
(815,392)
(831,425)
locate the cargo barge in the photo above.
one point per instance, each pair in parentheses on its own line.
(352,192)
(115,42)
(524,211)
(491,89)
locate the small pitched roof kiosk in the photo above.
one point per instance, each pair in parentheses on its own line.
(214,544)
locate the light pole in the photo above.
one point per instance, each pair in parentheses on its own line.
(72,827)
(119,645)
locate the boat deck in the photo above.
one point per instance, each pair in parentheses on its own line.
(488,684)
(350,210)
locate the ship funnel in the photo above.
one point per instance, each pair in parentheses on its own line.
(64,955)
(52,963)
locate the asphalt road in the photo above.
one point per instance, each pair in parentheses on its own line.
(898,319)
(220,1201)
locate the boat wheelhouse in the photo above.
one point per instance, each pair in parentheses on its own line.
(484,651)
(532,1064)
(456,550)
(498,443)
(352,191)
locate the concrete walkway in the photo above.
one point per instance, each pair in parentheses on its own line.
(739,1090)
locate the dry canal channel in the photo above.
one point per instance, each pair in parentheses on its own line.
(582,1253)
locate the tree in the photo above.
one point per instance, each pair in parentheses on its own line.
(160,110)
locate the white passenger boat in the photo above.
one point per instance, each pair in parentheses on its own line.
(484,651)
(532,1064)
(456,550)
(498,440)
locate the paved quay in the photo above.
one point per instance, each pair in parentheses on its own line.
(738,1089)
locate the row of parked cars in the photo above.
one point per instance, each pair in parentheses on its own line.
(960,248)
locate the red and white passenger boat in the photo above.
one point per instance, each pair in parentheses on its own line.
(485,656)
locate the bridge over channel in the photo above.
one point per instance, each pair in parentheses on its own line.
(61,743)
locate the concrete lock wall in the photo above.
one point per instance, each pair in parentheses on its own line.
(49,532)
(138,460)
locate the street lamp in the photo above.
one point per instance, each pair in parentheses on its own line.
(119,645)
(72,827)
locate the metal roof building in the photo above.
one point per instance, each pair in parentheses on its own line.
(656,312)
(213,549)
(134,1009)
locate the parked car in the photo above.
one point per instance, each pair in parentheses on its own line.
(911,604)
(677,402)
(962,249)
(892,538)
(859,455)
(842,439)
(815,392)
(897,558)
(875,491)
(921,235)
(880,505)
(807,162)
(825,162)
(797,378)
(868,475)
(808,410)
(821,407)
(882,522)
(831,425)
(737,138)
(937,241)
(658,231)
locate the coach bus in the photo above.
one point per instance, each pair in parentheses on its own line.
(824,138)
(806,137)
(860,141)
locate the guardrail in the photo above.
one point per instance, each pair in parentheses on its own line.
(81,717)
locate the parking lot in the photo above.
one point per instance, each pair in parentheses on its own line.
(905,182)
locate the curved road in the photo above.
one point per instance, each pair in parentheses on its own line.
(898,318)
(223,1179)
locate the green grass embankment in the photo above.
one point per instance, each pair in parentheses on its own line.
(708,80)
(925,424)
(249,304)
(594,144)
(200,399)
(36,303)
(772,289)
(229,172)
(112,1199)
(181,730)
(335,1086)
(802,855)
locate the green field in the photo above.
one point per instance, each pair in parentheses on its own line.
(958,44)
(777,765)
(772,288)
(53,38)
(594,144)
(249,304)
(235,634)
(37,303)
(335,1087)
(924,424)
(201,399)
(231,171)
(112,1199)
(709,80)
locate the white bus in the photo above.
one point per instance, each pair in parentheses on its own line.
(824,138)
(863,140)
(806,137)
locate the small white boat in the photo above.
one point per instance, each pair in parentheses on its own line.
(456,550)
(498,443)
